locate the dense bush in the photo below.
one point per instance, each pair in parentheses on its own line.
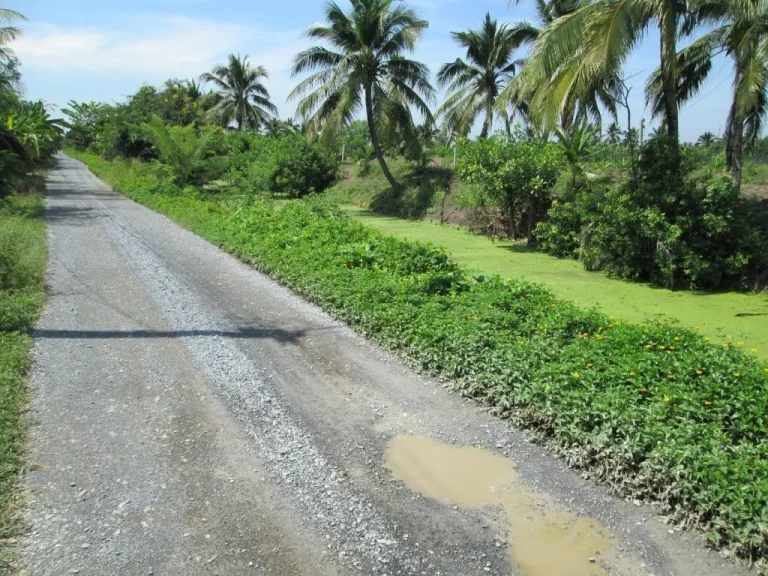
(116,130)
(680,231)
(656,411)
(287,165)
(513,177)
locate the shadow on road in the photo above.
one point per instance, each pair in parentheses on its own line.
(289,336)
(70,215)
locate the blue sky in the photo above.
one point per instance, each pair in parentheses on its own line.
(104,50)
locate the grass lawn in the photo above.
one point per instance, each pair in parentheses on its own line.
(23,256)
(728,316)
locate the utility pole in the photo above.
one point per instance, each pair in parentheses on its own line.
(343,152)
(642,131)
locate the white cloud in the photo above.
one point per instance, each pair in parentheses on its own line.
(156,47)
(153,49)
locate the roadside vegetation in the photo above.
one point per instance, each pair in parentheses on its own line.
(558,169)
(28,137)
(656,411)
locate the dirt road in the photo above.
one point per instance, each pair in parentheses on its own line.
(190,416)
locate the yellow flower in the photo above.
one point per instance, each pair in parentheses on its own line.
(662,347)
(754,350)
(677,338)
(707,403)
(553,305)
(632,374)
(737,374)
(576,375)
(648,346)
(741,343)
(598,337)
(672,348)
(699,372)
(765,369)
(589,365)
(670,377)
(643,389)
(667,399)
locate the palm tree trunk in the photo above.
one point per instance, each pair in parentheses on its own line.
(669,77)
(629,124)
(377,145)
(738,152)
(735,147)
(488,120)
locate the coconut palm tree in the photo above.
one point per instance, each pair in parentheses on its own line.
(9,76)
(242,97)
(474,85)
(365,70)
(576,108)
(577,144)
(276,128)
(589,46)
(194,90)
(741,32)
(8,33)
(613,133)
(707,139)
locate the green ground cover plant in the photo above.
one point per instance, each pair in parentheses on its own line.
(654,410)
(22,264)
(724,316)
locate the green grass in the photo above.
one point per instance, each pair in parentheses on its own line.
(728,316)
(23,257)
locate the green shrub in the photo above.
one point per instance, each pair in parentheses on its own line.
(560,233)
(514,177)
(679,231)
(656,411)
(287,165)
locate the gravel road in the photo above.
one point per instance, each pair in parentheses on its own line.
(190,416)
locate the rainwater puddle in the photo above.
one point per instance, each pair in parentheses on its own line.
(544,539)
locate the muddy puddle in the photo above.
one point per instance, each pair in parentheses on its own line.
(544,539)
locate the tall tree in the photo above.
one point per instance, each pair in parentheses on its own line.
(9,76)
(8,32)
(365,70)
(474,85)
(575,108)
(741,32)
(613,133)
(242,97)
(743,35)
(707,139)
(583,49)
